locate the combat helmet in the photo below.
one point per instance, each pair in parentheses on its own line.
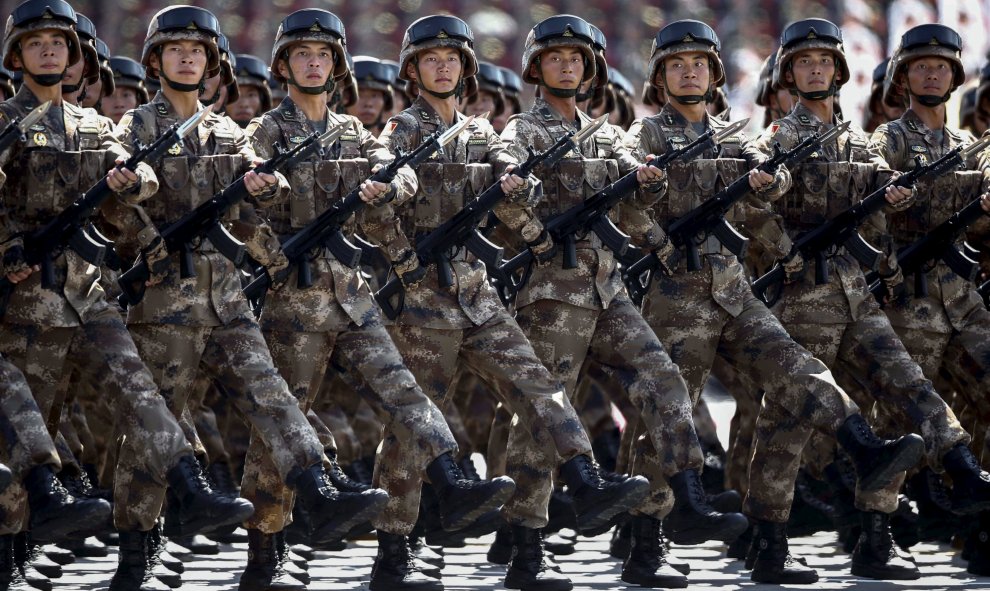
(40,15)
(811,33)
(313,25)
(680,37)
(182,23)
(930,40)
(439,30)
(563,30)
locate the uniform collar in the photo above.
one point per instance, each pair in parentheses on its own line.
(551,115)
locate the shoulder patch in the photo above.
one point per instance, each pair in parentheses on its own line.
(804,119)
(162,109)
(919,149)
(774,128)
(912,125)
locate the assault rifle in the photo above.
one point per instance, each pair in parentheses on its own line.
(326,228)
(69,228)
(205,220)
(914,259)
(592,215)
(462,228)
(842,230)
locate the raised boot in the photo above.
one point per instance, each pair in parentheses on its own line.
(693,520)
(500,551)
(11,576)
(773,562)
(394,568)
(876,460)
(134,565)
(55,513)
(194,507)
(597,500)
(876,556)
(970,483)
(618,546)
(647,564)
(333,513)
(530,570)
(979,560)
(265,569)
(463,501)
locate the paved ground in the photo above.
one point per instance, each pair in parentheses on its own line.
(589,567)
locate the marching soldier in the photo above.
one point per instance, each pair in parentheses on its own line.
(375,100)
(255,97)
(129,90)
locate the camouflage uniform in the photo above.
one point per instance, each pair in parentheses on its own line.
(183,323)
(837,321)
(336,322)
(723,317)
(573,314)
(441,328)
(42,328)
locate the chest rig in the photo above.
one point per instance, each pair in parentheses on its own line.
(448,180)
(187,181)
(577,176)
(318,183)
(828,182)
(935,199)
(50,178)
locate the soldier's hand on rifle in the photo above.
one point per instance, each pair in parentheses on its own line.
(793,268)
(759,180)
(375,193)
(121,179)
(155,256)
(512,184)
(409,270)
(899,197)
(543,248)
(15,268)
(894,282)
(649,176)
(259,183)
(985,203)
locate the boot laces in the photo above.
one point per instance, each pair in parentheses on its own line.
(468,469)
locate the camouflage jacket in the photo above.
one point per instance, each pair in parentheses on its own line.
(338,296)
(208,160)
(462,170)
(600,160)
(824,185)
(689,184)
(949,298)
(65,154)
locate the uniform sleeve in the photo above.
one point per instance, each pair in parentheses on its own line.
(764,225)
(243,145)
(634,215)
(121,142)
(518,214)
(381,224)
(405,183)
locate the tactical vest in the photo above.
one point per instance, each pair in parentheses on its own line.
(935,201)
(444,187)
(48,180)
(572,179)
(317,184)
(821,190)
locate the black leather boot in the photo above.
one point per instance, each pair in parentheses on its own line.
(11,575)
(55,513)
(774,563)
(422,551)
(530,570)
(693,520)
(876,556)
(463,501)
(970,483)
(158,544)
(333,513)
(877,460)
(647,564)
(265,569)
(936,522)
(290,561)
(135,565)
(500,551)
(395,569)
(341,481)
(738,549)
(597,500)
(194,507)
(25,555)
(979,560)
(618,546)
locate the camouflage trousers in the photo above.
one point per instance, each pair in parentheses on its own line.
(414,427)
(237,356)
(152,439)
(346,443)
(627,352)
(545,428)
(870,351)
(748,398)
(338,392)
(25,441)
(476,405)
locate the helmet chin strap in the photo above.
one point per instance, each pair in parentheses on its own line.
(557,92)
(930,100)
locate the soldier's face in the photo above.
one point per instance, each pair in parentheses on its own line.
(484,102)
(562,67)
(93,93)
(247,106)
(687,73)
(784,100)
(210,86)
(121,101)
(182,61)
(43,52)
(812,70)
(369,107)
(929,76)
(440,69)
(311,63)
(74,73)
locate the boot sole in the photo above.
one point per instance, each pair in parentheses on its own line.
(882,574)
(780,579)
(58,529)
(657,582)
(258,585)
(724,533)
(600,515)
(556,585)
(499,497)
(336,530)
(204,526)
(881,476)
